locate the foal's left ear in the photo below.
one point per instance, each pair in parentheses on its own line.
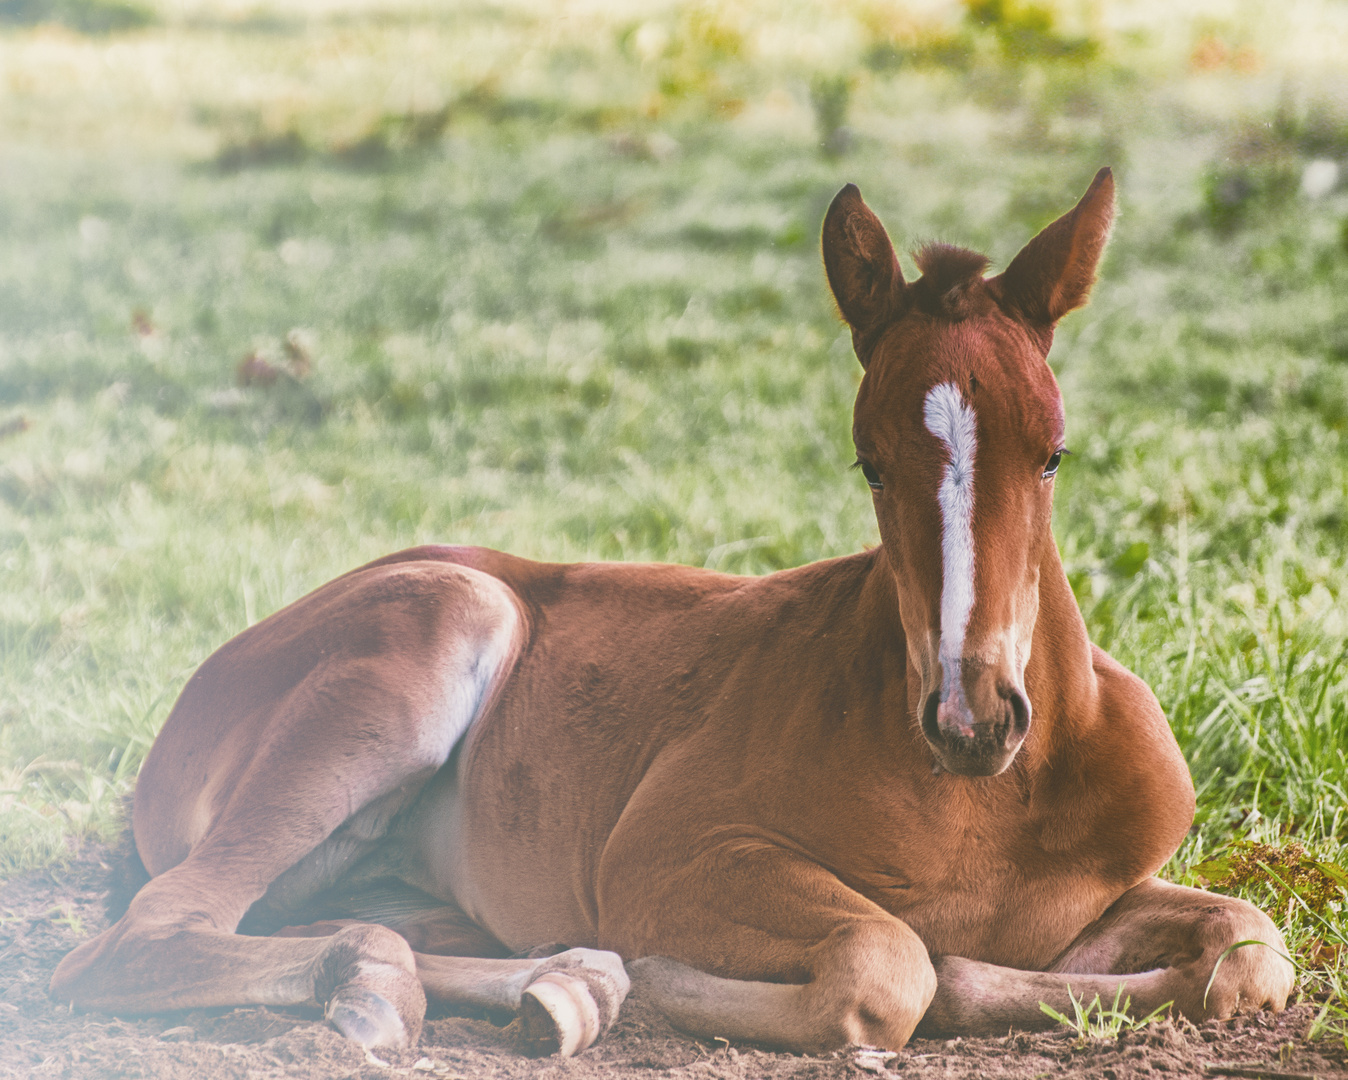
(1054,272)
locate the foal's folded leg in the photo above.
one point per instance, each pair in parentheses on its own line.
(168,952)
(750,940)
(976,998)
(565,1002)
(295,745)
(565,998)
(1159,942)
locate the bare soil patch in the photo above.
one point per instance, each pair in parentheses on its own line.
(43,915)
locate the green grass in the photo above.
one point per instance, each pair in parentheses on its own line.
(558,285)
(1095,1021)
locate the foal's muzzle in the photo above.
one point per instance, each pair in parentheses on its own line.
(971,746)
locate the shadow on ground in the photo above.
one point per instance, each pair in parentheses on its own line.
(43,915)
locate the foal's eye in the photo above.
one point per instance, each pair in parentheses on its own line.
(872,477)
(1053,463)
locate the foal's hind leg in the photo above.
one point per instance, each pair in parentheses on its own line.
(328,716)
(565,998)
(172,950)
(565,1001)
(1159,942)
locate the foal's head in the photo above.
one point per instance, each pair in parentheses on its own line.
(959,431)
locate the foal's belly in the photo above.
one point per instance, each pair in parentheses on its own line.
(524,885)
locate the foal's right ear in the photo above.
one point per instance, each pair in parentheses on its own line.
(862,269)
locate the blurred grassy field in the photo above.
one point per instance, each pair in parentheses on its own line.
(286,288)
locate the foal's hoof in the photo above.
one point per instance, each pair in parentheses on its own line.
(367,976)
(573,1000)
(366,1018)
(558,1015)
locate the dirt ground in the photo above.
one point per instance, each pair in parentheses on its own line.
(43,915)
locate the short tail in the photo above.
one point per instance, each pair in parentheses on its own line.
(128,872)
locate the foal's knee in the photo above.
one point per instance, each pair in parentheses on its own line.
(872,983)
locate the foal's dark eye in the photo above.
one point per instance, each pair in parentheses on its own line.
(1053,463)
(872,477)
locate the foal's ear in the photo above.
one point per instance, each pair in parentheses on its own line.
(862,270)
(1054,272)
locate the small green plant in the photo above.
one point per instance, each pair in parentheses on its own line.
(1098,1022)
(1332,1019)
(67,916)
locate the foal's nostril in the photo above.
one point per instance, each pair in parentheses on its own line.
(931,724)
(1020,713)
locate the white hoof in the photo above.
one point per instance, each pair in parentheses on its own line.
(557,1010)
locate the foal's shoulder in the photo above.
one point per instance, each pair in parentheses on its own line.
(1145,763)
(1126,702)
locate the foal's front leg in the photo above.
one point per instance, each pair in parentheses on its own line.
(1183,932)
(1159,941)
(800,961)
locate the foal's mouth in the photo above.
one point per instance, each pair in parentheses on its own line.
(991,746)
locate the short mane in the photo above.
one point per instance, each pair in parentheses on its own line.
(947,273)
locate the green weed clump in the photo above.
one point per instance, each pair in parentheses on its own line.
(285,291)
(1095,1021)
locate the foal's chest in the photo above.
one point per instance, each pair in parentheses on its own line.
(966,873)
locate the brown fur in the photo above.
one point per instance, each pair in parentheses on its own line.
(952,277)
(742,786)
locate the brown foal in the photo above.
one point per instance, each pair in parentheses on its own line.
(891,792)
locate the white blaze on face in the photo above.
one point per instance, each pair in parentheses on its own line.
(951,420)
